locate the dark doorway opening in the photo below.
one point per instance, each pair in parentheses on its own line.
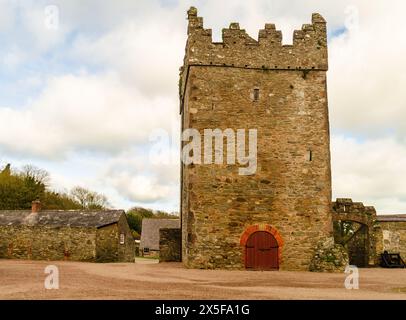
(354,236)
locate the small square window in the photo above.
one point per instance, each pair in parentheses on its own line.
(146,250)
(122,238)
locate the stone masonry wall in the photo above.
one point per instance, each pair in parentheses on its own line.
(66,243)
(126,251)
(345,209)
(391,236)
(290,190)
(107,243)
(45,243)
(239,50)
(170,242)
(109,248)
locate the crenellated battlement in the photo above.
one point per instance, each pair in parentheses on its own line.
(238,49)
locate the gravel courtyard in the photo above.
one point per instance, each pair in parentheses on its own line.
(147,279)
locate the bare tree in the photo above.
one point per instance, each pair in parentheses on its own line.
(36,174)
(89,199)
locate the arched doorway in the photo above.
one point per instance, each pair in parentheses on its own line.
(261,252)
(262,247)
(354,229)
(354,236)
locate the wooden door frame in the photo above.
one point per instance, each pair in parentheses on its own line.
(261,227)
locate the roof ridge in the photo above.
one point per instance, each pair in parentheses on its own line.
(79,218)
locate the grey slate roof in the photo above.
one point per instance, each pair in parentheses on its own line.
(392,218)
(150,231)
(60,218)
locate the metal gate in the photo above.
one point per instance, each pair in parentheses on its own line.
(261,252)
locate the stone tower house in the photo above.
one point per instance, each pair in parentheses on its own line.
(274,218)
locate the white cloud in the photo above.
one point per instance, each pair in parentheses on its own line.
(137,47)
(139,179)
(145,54)
(371,171)
(7,16)
(84,112)
(24,32)
(367,73)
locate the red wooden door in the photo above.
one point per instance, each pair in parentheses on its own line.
(261,252)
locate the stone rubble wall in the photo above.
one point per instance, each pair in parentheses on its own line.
(391,236)
(126,251)
(66,243)
(107,244)
(346,210)
(47,243)
(170,242)
(109,248)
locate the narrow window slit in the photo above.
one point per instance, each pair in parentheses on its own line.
(256,94)
(309,155)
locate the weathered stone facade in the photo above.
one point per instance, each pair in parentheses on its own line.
(391,234)
(170,244)
(47,243)
(361,245)
(109,246)
(66,235)
(280,90)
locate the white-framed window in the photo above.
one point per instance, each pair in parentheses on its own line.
(122,238)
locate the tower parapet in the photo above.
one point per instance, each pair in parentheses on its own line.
(308,51)
(238,49)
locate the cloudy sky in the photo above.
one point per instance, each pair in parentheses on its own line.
(86,95)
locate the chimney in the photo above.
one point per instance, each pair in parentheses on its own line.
(35,206)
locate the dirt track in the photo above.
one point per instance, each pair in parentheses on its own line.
(146,280)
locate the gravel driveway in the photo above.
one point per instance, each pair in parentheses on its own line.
(147,279)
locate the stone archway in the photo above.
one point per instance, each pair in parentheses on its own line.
(359,239)
(271,243)
(355,237)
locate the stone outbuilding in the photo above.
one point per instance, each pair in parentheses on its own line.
(150,234)
(95,236)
